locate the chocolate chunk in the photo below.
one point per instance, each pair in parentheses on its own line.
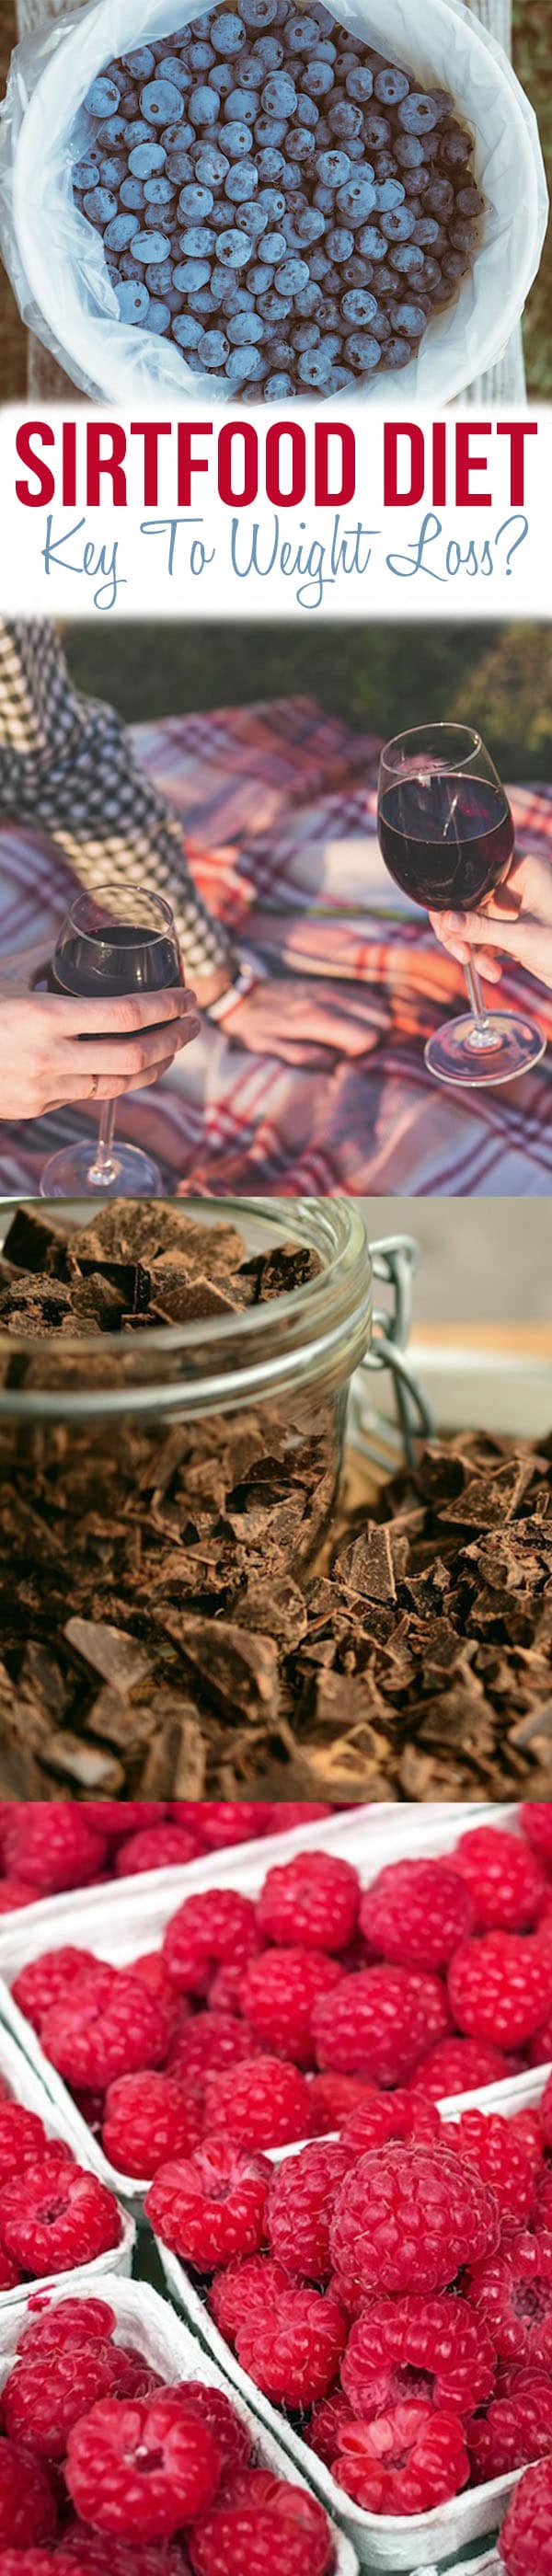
(116,1656)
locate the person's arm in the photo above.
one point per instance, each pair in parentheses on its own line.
(66,763)
(55,1051)
(517,923)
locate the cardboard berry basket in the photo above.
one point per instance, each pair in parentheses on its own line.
(60,2121)
(418,2543)
(124,1919)
(148,2320)
(57,262)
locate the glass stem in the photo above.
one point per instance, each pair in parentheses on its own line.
(480,1013)
(102,1168)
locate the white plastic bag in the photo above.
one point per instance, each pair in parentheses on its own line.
(56,260)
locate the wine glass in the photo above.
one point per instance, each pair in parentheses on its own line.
(447,837)
(115,942)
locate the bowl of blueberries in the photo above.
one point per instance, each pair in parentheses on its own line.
(271,200)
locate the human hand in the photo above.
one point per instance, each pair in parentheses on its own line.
(517,922)
(301,1019)
(55,1050)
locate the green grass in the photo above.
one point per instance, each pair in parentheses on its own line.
(379,678)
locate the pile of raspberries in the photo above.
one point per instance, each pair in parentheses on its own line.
(105,2466)
(46,1849)
(53,2215)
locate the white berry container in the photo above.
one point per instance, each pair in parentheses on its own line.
(57,263)
(417,2542)
(60,2121)
(123,1919)
(148,2321)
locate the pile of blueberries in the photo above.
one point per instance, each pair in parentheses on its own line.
(277,198)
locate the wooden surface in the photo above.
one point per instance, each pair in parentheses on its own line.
(26,364)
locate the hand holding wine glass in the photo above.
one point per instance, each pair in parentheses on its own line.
(447,837)
(517,924)
(123,950)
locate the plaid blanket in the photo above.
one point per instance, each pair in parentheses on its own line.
(278,809)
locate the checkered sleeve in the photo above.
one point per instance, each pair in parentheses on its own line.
(66,762)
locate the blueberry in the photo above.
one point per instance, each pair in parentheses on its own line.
(339,377)
(159,191)
(271,130)
(428,232)
(133,300)
(292,276)
(192,274)
(164,277)
(301,143)
(259,13)
(359,82)
(254,219)
(194,203)
(469,201)
(160,101)
(221,79)
(323,199)
(409,151)
(223,217)
(358,305)
(227,32)
(309,300)
(201,58)
(399,224)
(430,277)
(306,335)
(234,248)
(160,315)
(271,167)
(176,71)
(245,327)
(407,258)
(132,195)
(389,193)
(398,352)
(318,79)
(100,205)
(307,112)
(103,98)
(200,301)
(214,348)
(141,64)
(113,170)
(129,267)
(119,234)
(237,138)
(187,331)
(339,243)
(268,51)
(345,121)
(418,113)
(314,368)
(114,131)
(195,242)
(272,249)
(356,272)
(415,181)
(203,105)
(440,198)
(362,352)
(279,96)
(333,168)
(211,166)
(409,319)
(356,200)
(242,363)
(277,386)
(145,159)
(241,182)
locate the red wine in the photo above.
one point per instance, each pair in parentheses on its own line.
(120,958)
(446,839)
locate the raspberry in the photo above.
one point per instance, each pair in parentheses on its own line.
(407,2218)
(513,2290)
(41,1983)
(459,2066)
(400,2349)
(296,1812)
(207,1931)
(333,2097)
(141,2469)
(156,1847)
(9,2272)
(91,2042)
(505,1881)
(391,2115)
(525,2541)
(40,2405)
(545,2113)
(22,2138)
(27,2508)
(515,2429)
(65,2323)
(83,2554)
(212,2207)
(499,1988)
(29,2562)
(293,2352)
(265,2523)
(212,2039)
(526,2126)
(56,2216)
(230,2433)
(379,2023)
(300,2202)
(15,1892)
(278,1995)
(248,2287)
(542,2206)
(53,1847)
(485,2139)
(326,2423)
(311,1902)
(416,1912)
(116,1818)
(222,1822)
(262,2104)
(148,2118)
(540,2049)
(536,1822)
(406,2461)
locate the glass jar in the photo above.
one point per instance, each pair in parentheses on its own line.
(200,1460)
